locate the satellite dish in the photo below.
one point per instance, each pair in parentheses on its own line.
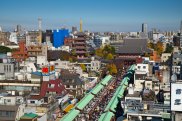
(173,78)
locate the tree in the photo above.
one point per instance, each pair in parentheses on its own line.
(109,56)
(83,67)
(4,49)
(99,52)
(159,48)
(112,68)
(169,48)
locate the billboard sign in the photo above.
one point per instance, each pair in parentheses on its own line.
(176,96)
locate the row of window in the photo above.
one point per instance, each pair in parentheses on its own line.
(139,67)
(7,113)
(7,68)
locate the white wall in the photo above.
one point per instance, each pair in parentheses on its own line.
(143,67)
(36,102)
(41,60)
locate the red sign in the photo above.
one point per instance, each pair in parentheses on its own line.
(45,70)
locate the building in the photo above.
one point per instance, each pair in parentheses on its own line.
(176,40)
(73,83)
(79,45)
(58,37)
(144,28)
(127,47)
(13,37)
(101,41)
(165,57)
(7,70)
(11,107)
(21,54)
(48,36)
(37,50)
(32,37)
(74,29)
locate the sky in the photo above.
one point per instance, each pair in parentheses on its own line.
(97,15)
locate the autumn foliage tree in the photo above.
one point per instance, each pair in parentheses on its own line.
(157,47)
(106,52)
(83,67)
(112,68)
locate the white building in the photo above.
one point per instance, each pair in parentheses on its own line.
(139,80)
(101,40)
(143,67)
(41,60)
(165,57)
(13,37)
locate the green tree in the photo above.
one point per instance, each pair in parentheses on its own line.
(70,59)
(169,48)
(83,67)
(4,49)
(109,56)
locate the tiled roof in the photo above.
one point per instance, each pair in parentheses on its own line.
(134,46)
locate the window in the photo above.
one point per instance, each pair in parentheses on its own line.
(10,68)
(32,101)
(144,67)
(178,91)
(148,84)
(138,67)
(4,68)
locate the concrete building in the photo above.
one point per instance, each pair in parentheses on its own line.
(32,37)
(11,107)
(37,50)
(165,57)
(21,54)
(101,41)
(13,37)
(58,37)
(8,70)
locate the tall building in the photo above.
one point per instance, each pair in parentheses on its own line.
(80,45)
(181,35)
(58,37)
(18,29)
(81,26)
(74,29)
(144,28)
(40,31)
(181,27)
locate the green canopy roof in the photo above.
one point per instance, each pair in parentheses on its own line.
(71,115)
(97,89)
(106,116)
(81,104)
(29,116)
(106,80)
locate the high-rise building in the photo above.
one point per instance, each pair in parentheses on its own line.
(144,28)
(81,25)
(18,29)
(181,35)
(181,27)
(74,29)
(58,37)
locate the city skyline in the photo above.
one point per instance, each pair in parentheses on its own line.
(108,15)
